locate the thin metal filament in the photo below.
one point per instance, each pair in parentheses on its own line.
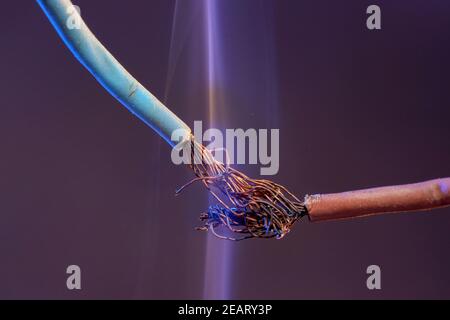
(249,208)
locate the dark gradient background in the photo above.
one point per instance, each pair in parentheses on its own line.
(84,182)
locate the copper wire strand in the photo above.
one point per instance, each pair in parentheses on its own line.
(250,208)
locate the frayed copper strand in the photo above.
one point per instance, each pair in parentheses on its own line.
(250,208)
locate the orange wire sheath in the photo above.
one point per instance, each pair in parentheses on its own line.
(410,197)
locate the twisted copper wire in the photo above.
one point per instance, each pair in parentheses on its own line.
(251,208)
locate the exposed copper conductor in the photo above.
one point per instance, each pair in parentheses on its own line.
(251,208)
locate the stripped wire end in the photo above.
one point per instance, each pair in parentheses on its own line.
(247,208)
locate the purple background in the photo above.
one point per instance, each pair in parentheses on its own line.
(84,182)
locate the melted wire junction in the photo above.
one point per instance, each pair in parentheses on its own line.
(249,208)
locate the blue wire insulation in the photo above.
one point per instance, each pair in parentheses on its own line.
(109,72)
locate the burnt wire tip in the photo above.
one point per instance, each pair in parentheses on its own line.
(248,208)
